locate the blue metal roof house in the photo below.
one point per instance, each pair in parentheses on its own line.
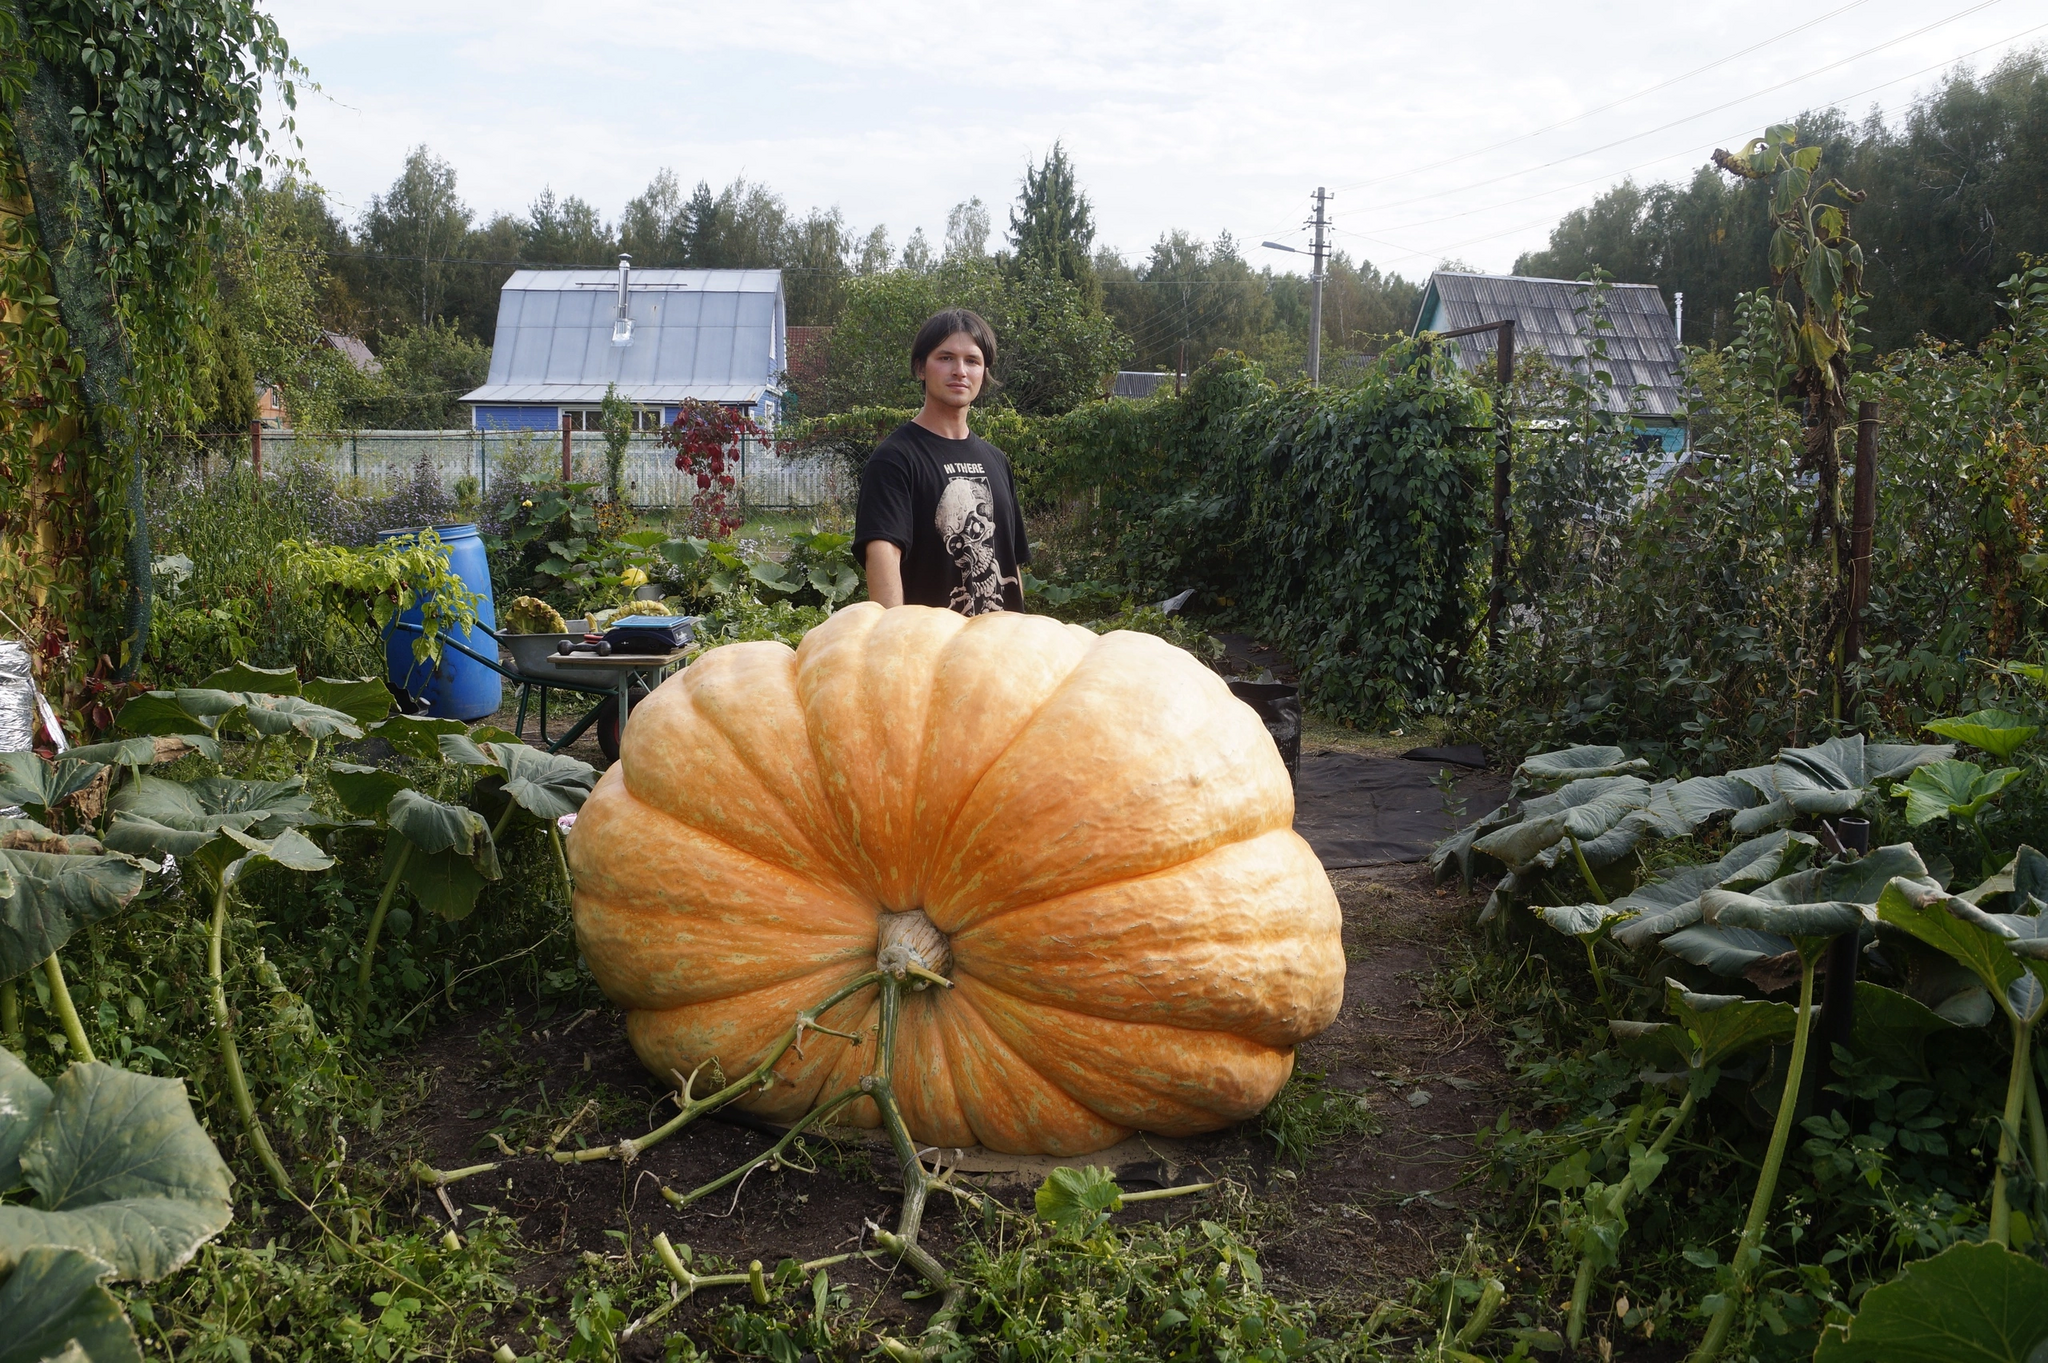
(1549,317)
(661,335)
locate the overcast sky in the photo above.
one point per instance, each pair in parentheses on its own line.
(1449,130)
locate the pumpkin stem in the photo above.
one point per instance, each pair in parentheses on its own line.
(773,1154)
(909,944)
(917,1184)
(693,1109)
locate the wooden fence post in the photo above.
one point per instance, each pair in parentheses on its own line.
(256,453)
(566,419)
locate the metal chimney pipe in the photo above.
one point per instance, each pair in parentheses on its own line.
(626,266)
(1678,321)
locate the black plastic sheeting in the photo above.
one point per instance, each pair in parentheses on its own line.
(1357,810)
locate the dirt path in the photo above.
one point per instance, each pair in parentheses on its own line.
(1366,1212)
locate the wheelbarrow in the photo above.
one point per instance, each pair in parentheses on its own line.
(622,679)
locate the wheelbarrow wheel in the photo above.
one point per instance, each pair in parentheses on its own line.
(608,722)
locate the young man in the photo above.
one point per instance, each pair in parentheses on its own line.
(938,523)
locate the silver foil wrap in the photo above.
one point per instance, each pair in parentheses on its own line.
(17,706)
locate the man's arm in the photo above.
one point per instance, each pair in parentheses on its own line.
(885,573)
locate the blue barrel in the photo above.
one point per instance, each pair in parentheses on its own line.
(458,687)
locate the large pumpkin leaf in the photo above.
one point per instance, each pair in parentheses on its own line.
(23,1099)
(418,735)
(1711,1028)
(1673,901)
(1571,764)
(1663,905)
(261,681)
(1455,852)
(1583,809)
(1951,790)
(434,826)
(364,700)
(225,858)
(445,883)
(1583,920)
(1722,1026)
(121,1170)
(57,1311)
(1971,1303)
(52,895)
(1825,779)
(1998,732)
(365,791)
(1958,929)
(1727,951)
(1889,761)
(208,703)
(39,786)
(123,752)
(2021,886)
(1658,817)
(153,816)
(1741,929)
(451,854)
(26,835)
(545,785)
(276,716)
(1893,1028)
(1860,881)
(1702,798)
(1823,918)
(158,712)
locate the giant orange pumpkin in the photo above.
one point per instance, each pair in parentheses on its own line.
(1101,832)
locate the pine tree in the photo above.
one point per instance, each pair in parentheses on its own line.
(1052,226)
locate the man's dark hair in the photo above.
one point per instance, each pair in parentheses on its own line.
(951,322)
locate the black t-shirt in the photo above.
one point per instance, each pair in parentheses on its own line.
(950,507)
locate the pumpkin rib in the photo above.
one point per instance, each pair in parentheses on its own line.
(711,837)
(1198,929)
(712,922)
(863,691)
(737,1030)
(1204,774)
(699,693)
(937,839)
(1226,1079)
(1007,1117)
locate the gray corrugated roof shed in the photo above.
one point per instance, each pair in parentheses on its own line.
(1642,348)
(714,335)
(1137,383)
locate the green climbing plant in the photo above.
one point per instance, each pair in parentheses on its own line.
(126,131)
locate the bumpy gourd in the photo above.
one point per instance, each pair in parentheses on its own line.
(1088,835)
(531,615)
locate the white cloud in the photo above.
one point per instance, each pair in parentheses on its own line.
(1203,115)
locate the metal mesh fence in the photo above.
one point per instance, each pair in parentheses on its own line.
(376,463)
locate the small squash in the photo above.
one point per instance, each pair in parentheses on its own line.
(1088,835)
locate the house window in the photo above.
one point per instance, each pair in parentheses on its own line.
(645,419)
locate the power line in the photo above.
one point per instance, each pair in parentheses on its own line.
(1613,104)
(1718,108)
(1404,251)
(1470,241)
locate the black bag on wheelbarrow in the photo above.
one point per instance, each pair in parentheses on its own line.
(650,633)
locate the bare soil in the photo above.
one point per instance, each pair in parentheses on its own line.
(1367,1212)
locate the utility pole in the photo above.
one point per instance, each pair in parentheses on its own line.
(1315,304)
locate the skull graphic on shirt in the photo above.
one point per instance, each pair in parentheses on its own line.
(967,527)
